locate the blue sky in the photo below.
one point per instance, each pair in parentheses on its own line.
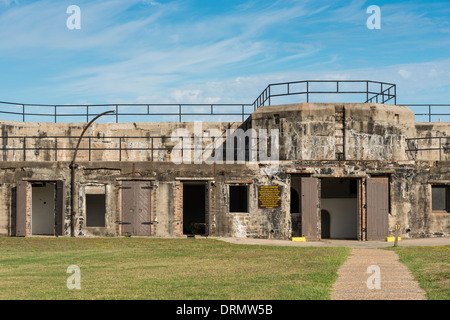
(144,51)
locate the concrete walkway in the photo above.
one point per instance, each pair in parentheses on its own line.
(374,274)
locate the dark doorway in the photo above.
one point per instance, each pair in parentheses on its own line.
(296,220)
(295,202)
(95,210)
(194,208)
(325,224)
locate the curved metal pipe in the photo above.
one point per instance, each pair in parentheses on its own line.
(72,175)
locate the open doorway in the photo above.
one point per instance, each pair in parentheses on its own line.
(339,208)
(194,208)
(40,208)
(43,208)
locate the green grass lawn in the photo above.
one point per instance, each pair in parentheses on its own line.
(430,266)
(165,269)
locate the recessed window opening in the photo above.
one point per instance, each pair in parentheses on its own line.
(95,210)
(238,198)
(440,196)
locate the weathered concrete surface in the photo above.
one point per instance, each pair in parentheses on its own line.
(309,131)
(374,145)
(43,138)
(410,193)
(356,278)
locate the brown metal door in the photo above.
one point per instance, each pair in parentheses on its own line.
(136,197)
(310,208)
(143,220)
(377,208)
(60,208)
(21,208)
(128,208)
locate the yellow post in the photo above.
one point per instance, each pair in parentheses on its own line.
(397,229)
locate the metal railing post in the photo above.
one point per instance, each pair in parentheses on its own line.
(307,91)
(367,91)
(120,148)
(395,94)
(24,149)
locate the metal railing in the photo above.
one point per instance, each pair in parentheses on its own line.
(23,146)
(87,112)
(430,112)
(372,91)
(366,91)
(412,145)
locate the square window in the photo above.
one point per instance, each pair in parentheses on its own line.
(238,198)
(440,198)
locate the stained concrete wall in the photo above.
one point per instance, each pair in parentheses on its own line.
(374,145)
(309,131)
(410,193)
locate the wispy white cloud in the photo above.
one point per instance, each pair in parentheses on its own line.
(154,51)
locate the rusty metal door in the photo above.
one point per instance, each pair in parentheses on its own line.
(21,208)
(310,205)
(377,208)
(136,208)
(143,219)
(128,208)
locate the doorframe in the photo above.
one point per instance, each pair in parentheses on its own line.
(361,213)
(25,205)
(208,183)
(151,181)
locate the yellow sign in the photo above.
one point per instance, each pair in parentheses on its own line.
(269,197)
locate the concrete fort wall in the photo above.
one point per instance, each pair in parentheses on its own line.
(323,141)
